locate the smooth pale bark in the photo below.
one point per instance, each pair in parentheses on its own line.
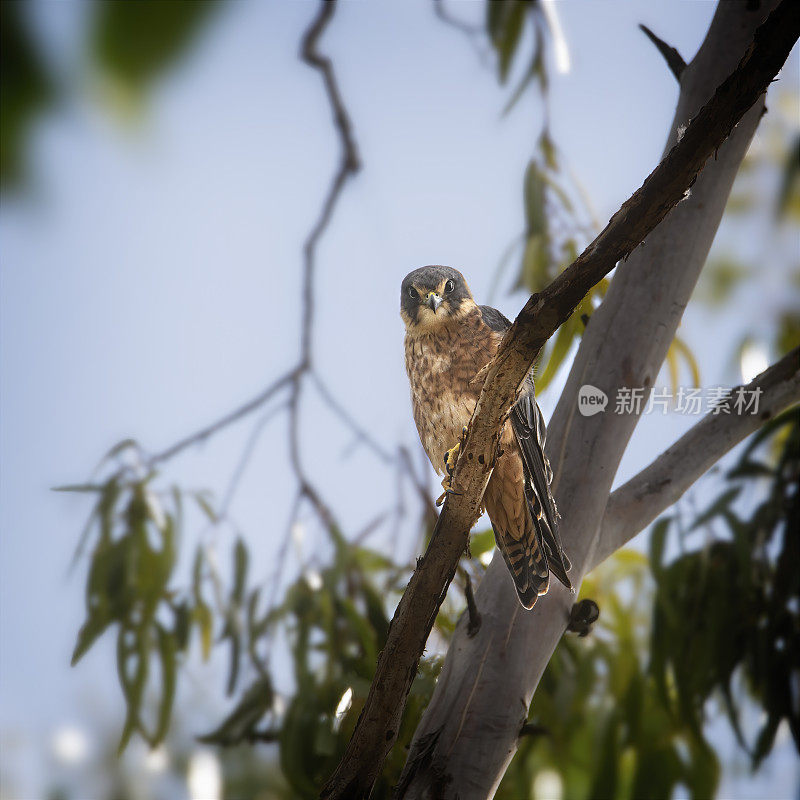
(469,731)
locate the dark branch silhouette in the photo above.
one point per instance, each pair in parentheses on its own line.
(673,58)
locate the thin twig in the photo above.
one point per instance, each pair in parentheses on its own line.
(431,514)
(349,162)
(673,58)
(476,34)
(245,457)
(225,421)
(362,437)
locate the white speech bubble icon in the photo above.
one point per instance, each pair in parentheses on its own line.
(591,400)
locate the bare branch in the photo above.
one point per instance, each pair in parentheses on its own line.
(673,58)
(349,162)
(423,491)
(245,457)
(476,34)
(362,437)
(348,165)
(223,422)
(379,721)
(633,506)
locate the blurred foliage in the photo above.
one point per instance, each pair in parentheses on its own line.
(618,714)
(25,89)
(133,43)
(596,720)
(505,21)
(730,611)
(130,45)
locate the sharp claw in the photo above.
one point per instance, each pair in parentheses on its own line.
(443,496)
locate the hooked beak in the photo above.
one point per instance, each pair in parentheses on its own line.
(433,301)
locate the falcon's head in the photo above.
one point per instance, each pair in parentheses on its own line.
(431,296)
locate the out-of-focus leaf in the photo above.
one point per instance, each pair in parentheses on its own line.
(206,507)
(788,336)
(789,196)
(556,355)
(167,650)
(134,42)
(534,197)
(481,542)
(25,89)
(719,507)
(683,349)
(504,22)
(536,70)
(205,621)
(719,279)
(534,274)
(248,712)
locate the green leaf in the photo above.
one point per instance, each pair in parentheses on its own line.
(507,34)
(25,89)
(205,622)
(658,537)
(133,42)
(90,631)
(206,508)
(534,199)
(240,557)
(243,719)
(481,542)
(719,507)
(556,355)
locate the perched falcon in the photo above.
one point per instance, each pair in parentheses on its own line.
(448,340)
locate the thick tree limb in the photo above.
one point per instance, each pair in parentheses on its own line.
(668,184)
(633,506)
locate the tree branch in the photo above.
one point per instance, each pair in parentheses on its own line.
(673,58)
(293,380)
(487,682)
(633,506)
(667,185)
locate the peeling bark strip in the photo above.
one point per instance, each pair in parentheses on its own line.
(541,316)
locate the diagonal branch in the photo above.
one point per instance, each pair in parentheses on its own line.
(379,721)
(633,506)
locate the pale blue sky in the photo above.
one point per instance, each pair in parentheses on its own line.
(150,276)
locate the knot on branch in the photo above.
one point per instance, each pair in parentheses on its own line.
(582,616)
(474,624)
(532,729)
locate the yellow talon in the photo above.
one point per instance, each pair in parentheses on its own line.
(451,456)
(447,485)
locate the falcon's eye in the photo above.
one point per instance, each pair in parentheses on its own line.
(449,286)
(412,292)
